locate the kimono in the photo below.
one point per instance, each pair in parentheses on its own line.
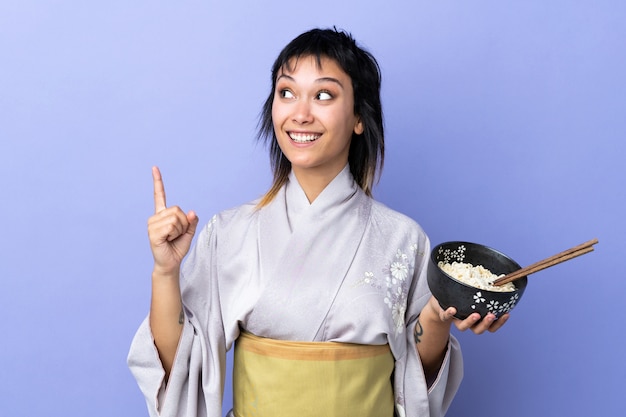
(345,268)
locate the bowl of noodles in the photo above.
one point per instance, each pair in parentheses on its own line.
(460,275)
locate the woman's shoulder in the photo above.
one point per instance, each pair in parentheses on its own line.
(394,220)
(233,217)
(242,211)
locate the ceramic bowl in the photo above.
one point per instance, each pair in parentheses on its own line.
(467,299)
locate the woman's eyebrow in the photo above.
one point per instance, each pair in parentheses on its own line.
(329,79)
(317,81)
(285,76)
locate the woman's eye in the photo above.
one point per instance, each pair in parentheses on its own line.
(286,94)
(324,95)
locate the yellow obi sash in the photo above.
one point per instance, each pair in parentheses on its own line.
(276,378)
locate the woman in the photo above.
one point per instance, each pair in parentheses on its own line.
(321,289)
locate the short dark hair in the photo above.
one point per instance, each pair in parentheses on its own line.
(367,153)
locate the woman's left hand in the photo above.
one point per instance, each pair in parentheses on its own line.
(473,322)
(489,323)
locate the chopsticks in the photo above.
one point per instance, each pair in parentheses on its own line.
(548,262)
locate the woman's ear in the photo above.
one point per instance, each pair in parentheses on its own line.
(358,127)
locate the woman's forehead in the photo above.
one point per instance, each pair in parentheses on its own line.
(321,62)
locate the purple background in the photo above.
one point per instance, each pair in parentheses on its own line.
(505,124)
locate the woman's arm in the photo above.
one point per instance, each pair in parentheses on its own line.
(432,332)
(166,316)
(171,232)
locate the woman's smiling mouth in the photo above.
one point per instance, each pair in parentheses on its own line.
(301,137)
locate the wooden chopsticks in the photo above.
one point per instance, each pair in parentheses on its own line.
(548,262)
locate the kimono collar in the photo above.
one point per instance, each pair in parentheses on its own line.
(340,189)
(305,252)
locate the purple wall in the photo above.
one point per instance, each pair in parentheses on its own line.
(505,126)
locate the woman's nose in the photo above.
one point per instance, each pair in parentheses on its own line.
(302,112)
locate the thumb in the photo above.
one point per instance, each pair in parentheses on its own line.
(448,314)
(193,219)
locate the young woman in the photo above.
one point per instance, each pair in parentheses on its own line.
(321,289)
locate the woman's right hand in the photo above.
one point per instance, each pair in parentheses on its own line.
(170,231)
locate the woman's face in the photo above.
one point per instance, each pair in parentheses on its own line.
(313,116)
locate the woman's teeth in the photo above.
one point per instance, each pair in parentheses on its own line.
(303,137)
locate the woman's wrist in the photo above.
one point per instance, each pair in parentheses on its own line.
(165,274)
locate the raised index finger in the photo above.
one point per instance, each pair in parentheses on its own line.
(159,190)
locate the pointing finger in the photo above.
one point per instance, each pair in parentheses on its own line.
(159,190)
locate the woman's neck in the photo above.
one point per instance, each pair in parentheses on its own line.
(312,182)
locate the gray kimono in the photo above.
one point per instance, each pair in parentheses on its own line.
(344,268)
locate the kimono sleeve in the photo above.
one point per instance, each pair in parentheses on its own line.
(441,391)
(195,384)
